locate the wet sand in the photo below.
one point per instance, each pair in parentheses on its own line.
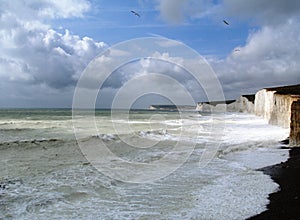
(284,204)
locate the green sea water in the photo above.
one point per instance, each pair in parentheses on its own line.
(47,175)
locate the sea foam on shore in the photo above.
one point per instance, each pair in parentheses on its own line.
(47,176)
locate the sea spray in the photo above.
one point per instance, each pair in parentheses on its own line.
(46,175)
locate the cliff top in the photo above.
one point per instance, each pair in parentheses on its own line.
(286,90)
(251,97)
(171,107)
(215,103)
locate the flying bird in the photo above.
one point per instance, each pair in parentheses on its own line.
(225,22)
(135,13)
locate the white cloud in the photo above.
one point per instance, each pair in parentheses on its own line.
(162,64)
(35,55)
(33,52)
(269,58)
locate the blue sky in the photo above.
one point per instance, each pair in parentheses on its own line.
(47,44)
(113,22)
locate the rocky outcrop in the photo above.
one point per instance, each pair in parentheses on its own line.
(295,124)
(244,103)
(215,106)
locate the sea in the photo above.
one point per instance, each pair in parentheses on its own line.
(46,172)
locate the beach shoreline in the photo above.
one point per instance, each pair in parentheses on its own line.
(285,203)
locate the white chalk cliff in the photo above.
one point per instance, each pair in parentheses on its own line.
(274,106)
(242,104)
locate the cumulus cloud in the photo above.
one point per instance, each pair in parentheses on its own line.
(270,56)
(143,74)
(158,63)
(37,56)
(33,52)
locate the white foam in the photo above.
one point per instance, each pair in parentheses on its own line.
(236,196)
(58,185)
(259,157)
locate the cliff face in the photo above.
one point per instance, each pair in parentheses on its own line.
(274,107)
(206,107)
(295,124)
(281,114)
(264,103)
(242,104)
(279,106)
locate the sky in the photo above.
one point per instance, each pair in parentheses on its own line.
(47,44)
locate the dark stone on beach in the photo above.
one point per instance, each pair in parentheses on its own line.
(286,141)
(285,203)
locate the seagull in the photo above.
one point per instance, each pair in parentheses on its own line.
(226,22)
(135,13)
